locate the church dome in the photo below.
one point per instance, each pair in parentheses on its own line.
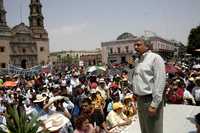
(21,28)
(125,35)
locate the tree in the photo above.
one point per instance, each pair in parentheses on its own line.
(18,122)
(68,60)
(194,40)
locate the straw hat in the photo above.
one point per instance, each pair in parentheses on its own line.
(16,76)
(117,105)
(128,96)
(18,89)
(101,80)
(56,86)
(49,75)
(55,122)
(39,98)
(56,98)
(92,91)
(191,79)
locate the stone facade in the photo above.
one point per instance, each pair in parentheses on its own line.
(92,59)
(82,55)
(118,51)
(122,49)
(24,46)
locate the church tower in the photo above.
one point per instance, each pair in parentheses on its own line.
(5,35)
(40,35)
(4,29)
(36,20)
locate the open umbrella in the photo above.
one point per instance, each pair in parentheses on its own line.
(9,84)
(197,66)
(96,68)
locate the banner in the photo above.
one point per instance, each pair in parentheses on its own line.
(25,72)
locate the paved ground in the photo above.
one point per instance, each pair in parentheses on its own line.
(177,119)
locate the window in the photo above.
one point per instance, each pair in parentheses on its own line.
(118,50)
(3,65)
(24,50)
(126,48)
(2,49)
(38,22)
(111,50)
(41,49)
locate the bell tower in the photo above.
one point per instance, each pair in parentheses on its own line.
(36,20)
(3,24)
(40,35)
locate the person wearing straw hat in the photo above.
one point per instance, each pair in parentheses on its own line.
(39,105)
(103,89)
(148,81)
(116,118)
(129,105)
(58,102)
(58,123)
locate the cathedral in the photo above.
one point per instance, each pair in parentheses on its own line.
(24,46)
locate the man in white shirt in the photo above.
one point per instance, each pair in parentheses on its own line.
(148,80)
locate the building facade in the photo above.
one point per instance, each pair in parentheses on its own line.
(24,46)
(166,48)
(73,57)
(122,49)
(118,51)
(92,58)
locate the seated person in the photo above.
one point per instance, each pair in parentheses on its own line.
(83,126)
(129,106)
(175,94)
(116,117)
(95,116)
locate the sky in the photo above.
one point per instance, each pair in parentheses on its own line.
(84,24)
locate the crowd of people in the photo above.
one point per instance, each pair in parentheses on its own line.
(183,86)
(73,100)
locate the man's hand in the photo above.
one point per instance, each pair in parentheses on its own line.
(152,111)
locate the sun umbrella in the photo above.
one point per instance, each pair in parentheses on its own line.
(197,66)
(9,84)
(96,68)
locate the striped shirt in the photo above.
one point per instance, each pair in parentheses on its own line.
(149,77)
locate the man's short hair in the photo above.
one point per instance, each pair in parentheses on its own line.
(146,40)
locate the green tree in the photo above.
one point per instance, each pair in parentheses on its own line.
(67,59)
(18,122)
(194,40)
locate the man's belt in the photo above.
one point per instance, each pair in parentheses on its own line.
(144,96)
